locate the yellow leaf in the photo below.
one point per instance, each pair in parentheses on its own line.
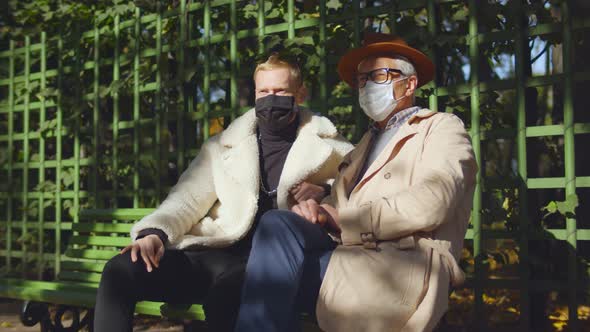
(559,326)
(512,309)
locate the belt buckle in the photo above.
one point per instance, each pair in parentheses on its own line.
(369,240)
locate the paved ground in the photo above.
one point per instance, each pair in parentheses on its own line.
(10,322)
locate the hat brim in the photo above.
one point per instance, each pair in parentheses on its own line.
(347,66)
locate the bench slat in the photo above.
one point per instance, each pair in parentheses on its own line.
(91,253)
(81,296)
(82,266)
(52,292)
(86,277)
(102,227)
(118,214)
(148,308)
(101,240)
(194,311)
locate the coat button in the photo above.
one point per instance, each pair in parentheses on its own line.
(387,175)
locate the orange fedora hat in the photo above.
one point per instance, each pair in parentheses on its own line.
(380,44)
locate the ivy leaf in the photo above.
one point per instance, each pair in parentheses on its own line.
(568,207)
(313,60)
(267,6)
(334,4)
(48,92)
(103,91)
(115,87)
(68,204)
(120,9)
(274,13)
(189,73)
(308,40)
(250,11)
(67,178)
(48,16)
(551,207)
(272,41)
(102,16)
(461,14)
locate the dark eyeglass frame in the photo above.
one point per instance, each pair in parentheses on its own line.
(369,76)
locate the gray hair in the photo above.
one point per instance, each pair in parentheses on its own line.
(405,65)
(408,69)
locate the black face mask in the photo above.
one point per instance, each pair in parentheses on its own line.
(275,113)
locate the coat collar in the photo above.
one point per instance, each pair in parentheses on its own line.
(356,159)
(421,114)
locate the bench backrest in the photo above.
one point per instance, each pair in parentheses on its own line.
(100,235)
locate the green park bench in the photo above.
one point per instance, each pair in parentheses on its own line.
(99,235)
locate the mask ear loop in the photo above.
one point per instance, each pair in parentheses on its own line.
(393,90)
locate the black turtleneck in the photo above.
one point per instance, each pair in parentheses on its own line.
(274,147)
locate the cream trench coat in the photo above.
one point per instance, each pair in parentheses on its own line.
(215,200)
(402,229)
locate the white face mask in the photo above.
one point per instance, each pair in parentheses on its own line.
(377,100)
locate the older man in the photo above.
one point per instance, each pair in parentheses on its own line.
(399,207)
(194,247)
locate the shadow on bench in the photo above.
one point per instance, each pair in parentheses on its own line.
(99,235)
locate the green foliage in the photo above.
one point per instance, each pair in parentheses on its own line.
(501,195)
(567,208)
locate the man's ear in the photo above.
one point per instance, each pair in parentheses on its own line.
(412,85)
(301,94)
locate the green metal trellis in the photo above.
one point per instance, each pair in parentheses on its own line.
(85,157)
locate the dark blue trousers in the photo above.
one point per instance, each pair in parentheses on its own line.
(285,269)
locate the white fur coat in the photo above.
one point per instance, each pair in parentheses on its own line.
(215,200)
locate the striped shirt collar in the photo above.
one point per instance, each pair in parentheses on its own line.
(398,119)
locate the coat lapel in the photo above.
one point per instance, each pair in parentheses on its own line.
(392,148)
(307,155)
(240,159)
(350,167)
(241,163)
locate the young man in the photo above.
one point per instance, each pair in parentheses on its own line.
(194,247)
(399,207)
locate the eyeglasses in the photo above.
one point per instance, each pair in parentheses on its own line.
(379,76)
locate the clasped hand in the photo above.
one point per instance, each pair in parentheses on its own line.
(323,214)
(305,191)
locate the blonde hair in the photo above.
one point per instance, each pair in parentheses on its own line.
(275,61)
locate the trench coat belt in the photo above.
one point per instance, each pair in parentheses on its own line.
(439,246)
(442,248)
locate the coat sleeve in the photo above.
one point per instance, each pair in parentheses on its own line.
(188,201)
(341,148)
(447,174)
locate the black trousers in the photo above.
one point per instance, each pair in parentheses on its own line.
(211,277)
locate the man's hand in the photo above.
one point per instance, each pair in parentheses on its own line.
(306,191)
(309,210)
(331,223)
(150,248)
(325,215)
